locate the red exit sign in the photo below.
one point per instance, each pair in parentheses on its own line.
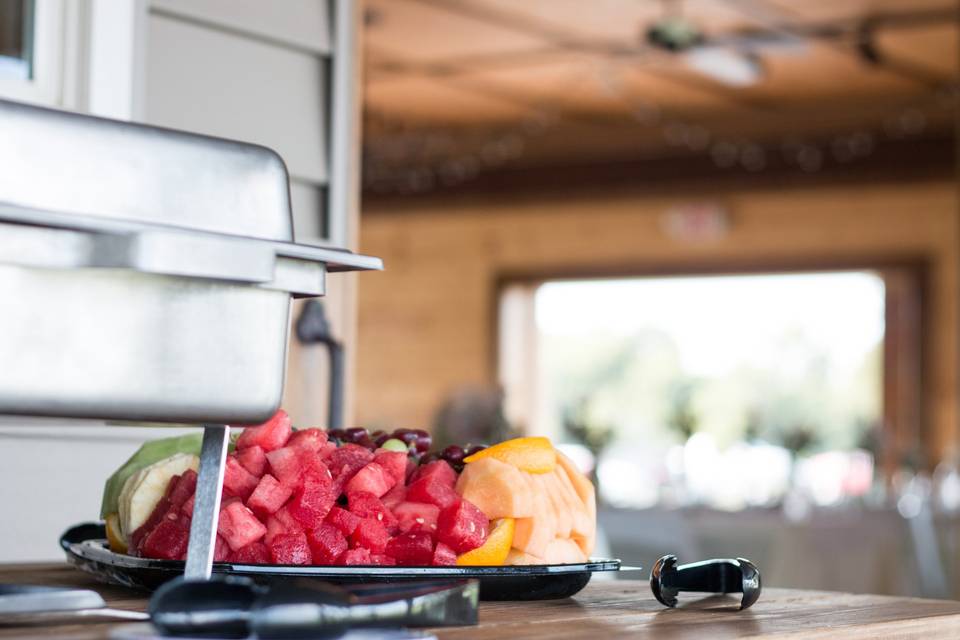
(696,222)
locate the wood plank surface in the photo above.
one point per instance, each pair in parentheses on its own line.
(604,610)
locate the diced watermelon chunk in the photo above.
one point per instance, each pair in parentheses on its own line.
(439,470)
(285,465)
(412,467)
(292,466)
(432,490)
(343,520)
(326,544)
(187,507)
(253,459)
(184,488)
(221,550)
(372,479)
(395,496)
(270,435)
(371,535)
(253,553)
(326,451)
(282,522)
(237,480)
(312,502)
(367,505)
(382,560)
(416,516)
(168,540)
(347,460)
(225,500)
(444,556)
(268,497)
(290,548)
(238,526)
(161,510)
(355,556)
(411,549)
(308,439)
(171,486)
(395,462)
(462,526)
(158,513)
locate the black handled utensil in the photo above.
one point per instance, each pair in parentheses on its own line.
(234,607)
(729,575)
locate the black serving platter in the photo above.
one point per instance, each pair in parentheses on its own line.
(86,548)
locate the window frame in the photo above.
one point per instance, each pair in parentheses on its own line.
(45,87)
(905,392)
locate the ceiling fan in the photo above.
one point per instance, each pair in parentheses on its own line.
(732,59)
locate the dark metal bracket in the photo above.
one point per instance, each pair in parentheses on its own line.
(313,328)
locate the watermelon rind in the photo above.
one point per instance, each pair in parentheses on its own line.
(148,454)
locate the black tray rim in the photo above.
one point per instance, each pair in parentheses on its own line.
(82,545)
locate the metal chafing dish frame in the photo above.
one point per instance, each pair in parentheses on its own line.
(185,222)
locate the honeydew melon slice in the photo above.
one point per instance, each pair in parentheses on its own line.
(144,489)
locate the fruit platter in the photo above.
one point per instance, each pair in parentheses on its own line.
(354,506)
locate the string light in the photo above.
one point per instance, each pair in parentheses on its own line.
(402,159)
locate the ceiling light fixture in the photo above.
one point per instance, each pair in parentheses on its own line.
(727,66)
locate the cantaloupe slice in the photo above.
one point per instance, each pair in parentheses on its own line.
(588,540)
(517,557)
(496,488)
(584,488)
(581,483)
(563,551)
(551,516)
(532,535)
(553,490)
(581,523)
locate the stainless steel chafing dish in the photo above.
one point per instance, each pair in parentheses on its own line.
(147,275)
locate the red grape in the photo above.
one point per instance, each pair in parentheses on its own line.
(453,454)
(423,441)
(409,437)
(472,449)
(430,457)
(356,434)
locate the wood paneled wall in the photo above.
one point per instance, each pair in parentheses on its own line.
(427,324)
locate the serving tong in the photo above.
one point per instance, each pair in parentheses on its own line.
(238,607)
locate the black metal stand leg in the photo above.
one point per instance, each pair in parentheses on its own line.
(206,506)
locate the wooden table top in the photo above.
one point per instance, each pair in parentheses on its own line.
(608,609)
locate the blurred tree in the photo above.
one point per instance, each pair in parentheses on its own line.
(576,424)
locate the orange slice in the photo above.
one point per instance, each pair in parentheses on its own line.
(533,455)
(493,552)
(114,537)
